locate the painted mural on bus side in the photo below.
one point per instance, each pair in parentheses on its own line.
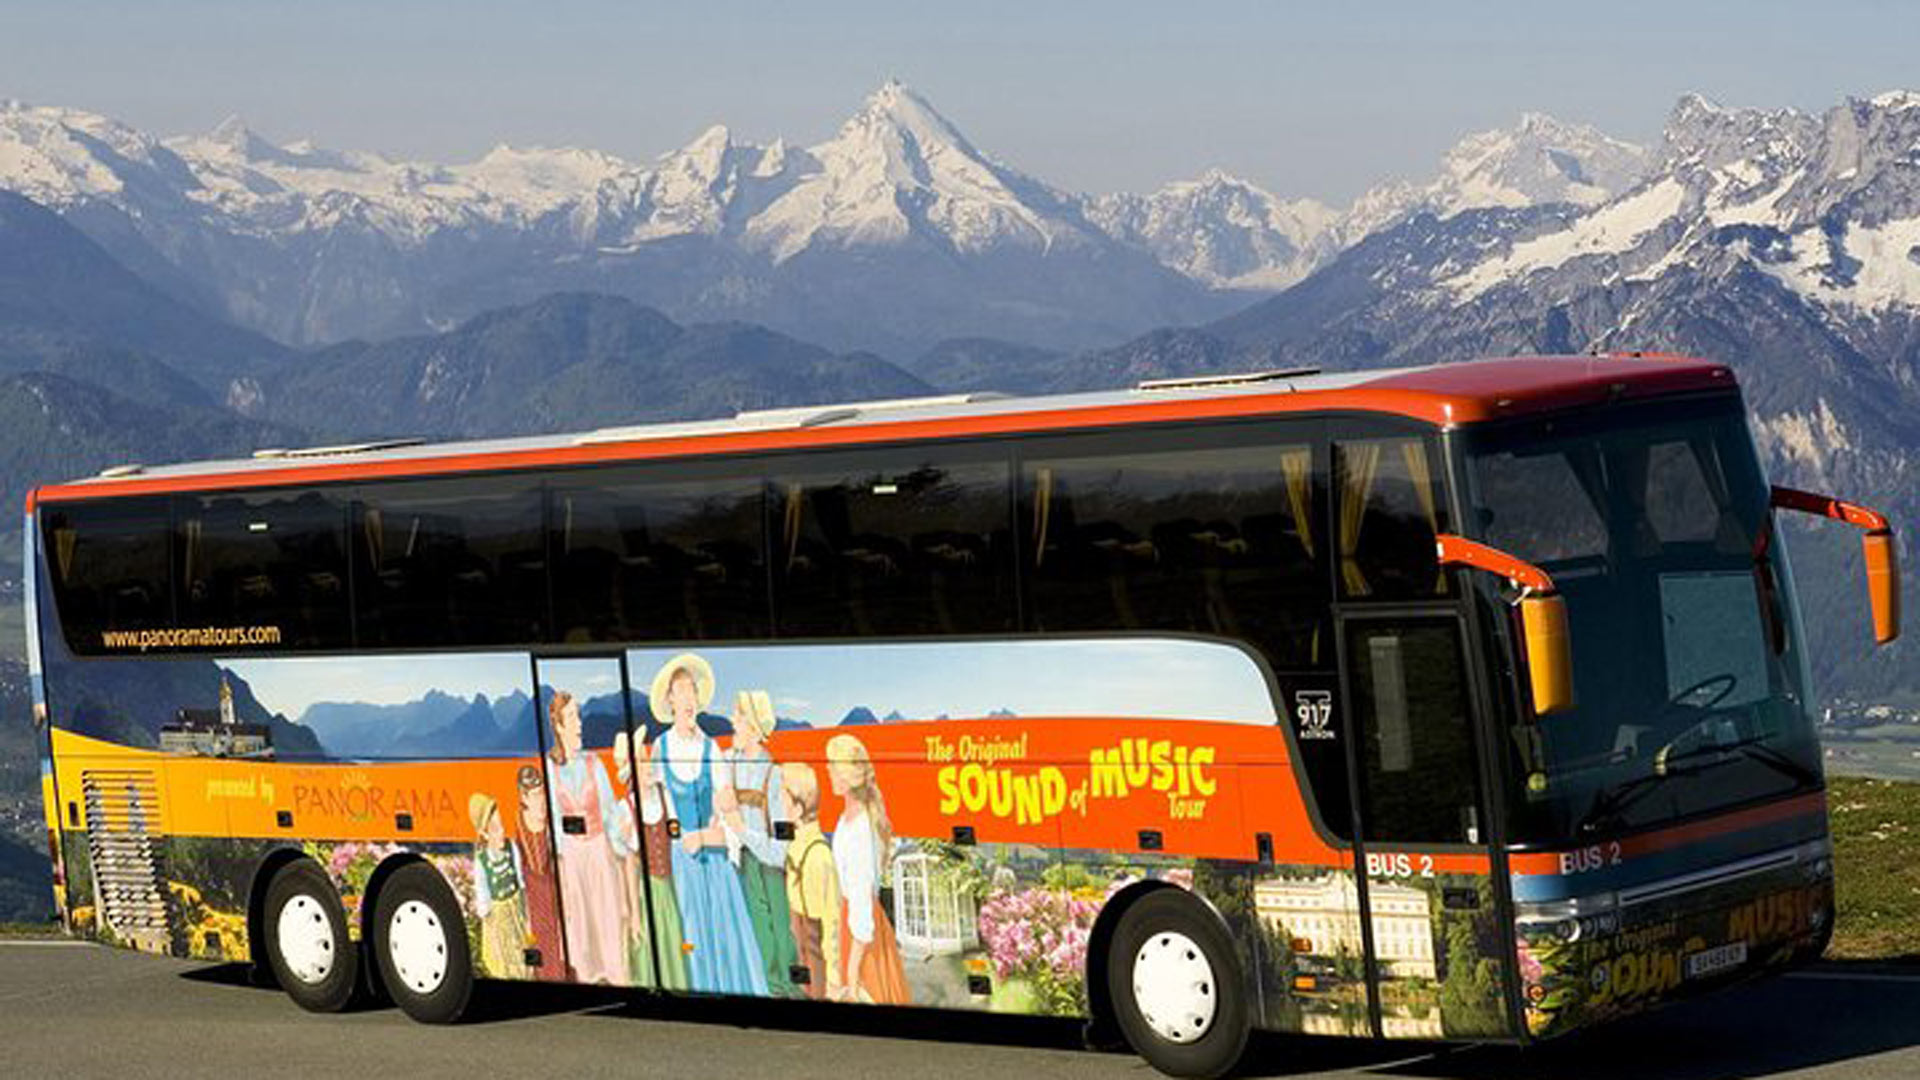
(938,824)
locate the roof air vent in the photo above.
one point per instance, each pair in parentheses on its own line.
(337,450)
(1204,382)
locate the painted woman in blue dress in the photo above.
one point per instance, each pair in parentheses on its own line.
(723,956)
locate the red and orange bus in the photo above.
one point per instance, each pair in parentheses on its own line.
(1464,702)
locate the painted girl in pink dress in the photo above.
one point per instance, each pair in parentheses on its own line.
(593,895)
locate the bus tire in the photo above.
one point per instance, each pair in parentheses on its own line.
(312,957)
(1176,988)
(420,939)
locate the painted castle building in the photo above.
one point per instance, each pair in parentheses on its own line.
(216,732)
(1322,915)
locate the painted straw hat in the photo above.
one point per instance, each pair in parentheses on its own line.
(480,807)
(696,666)
(759,711)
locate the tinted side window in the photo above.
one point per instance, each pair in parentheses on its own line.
(109,565)
(450,562)
(265,559)
(1222,541)
(1417,766)
(1389,512)
(888,545)
(650,561)
(1546,514)
(1680,504)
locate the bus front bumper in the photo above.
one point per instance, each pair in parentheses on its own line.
(1596,958)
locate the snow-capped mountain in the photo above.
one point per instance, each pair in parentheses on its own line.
(312,244)
(897,172)
(1827,206)
(1538,161)
(1226,232)
(1223,231)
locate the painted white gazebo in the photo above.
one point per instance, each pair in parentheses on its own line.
(931,916)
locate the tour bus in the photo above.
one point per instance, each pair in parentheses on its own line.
(1464,702)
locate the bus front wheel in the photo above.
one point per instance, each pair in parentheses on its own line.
(420,937)
(307,944)
(1176,986)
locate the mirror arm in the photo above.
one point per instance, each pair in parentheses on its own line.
(1839,510)
(1876,545)
(1460,551)
(1545,653)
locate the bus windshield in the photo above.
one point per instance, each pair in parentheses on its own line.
(1689,674)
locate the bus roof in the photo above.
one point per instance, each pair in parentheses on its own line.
(1445,395)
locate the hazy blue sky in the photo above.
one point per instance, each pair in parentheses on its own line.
(1308,100)
(1162,678)
(821,684)
(289,685)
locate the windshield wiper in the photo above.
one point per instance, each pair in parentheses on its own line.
(1781,763)
(1610,804)
(1752,747)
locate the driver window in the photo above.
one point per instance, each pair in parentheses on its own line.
(1710,623)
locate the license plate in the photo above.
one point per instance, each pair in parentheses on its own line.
(1714,961)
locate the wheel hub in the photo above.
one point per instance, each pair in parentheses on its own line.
(1173,985)
(305,937)
(417,944)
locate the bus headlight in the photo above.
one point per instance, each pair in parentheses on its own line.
(1568,920)
(1816,856)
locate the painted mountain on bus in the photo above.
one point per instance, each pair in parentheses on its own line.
(423,727)
(129,701)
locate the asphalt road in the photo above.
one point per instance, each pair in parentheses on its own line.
(70,1010)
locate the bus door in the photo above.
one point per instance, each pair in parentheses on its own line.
(594,792)
(1430,911)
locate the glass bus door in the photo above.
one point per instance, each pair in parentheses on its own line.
(599,843)
(1430,911)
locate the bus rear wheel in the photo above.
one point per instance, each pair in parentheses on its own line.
(307,944)
(420,937)
(1176,987)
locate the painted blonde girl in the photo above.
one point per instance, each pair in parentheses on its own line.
(862,850)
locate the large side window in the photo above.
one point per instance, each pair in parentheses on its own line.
(637,559)
(1193,536)
(450,562)
(263,559)
(892,543)
(1418,772)
(1389,513)
(110,568)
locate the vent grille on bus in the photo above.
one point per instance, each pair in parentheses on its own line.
(1196,382)
(124,841)
(782,419)
(339,449)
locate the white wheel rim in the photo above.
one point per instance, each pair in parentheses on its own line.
(417,944)
(305,936)
(1174,988)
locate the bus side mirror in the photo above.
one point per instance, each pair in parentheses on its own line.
(1549,659)
(1883,583)
(1547,649)
(1877,546)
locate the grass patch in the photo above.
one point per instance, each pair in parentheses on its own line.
(1876,826)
